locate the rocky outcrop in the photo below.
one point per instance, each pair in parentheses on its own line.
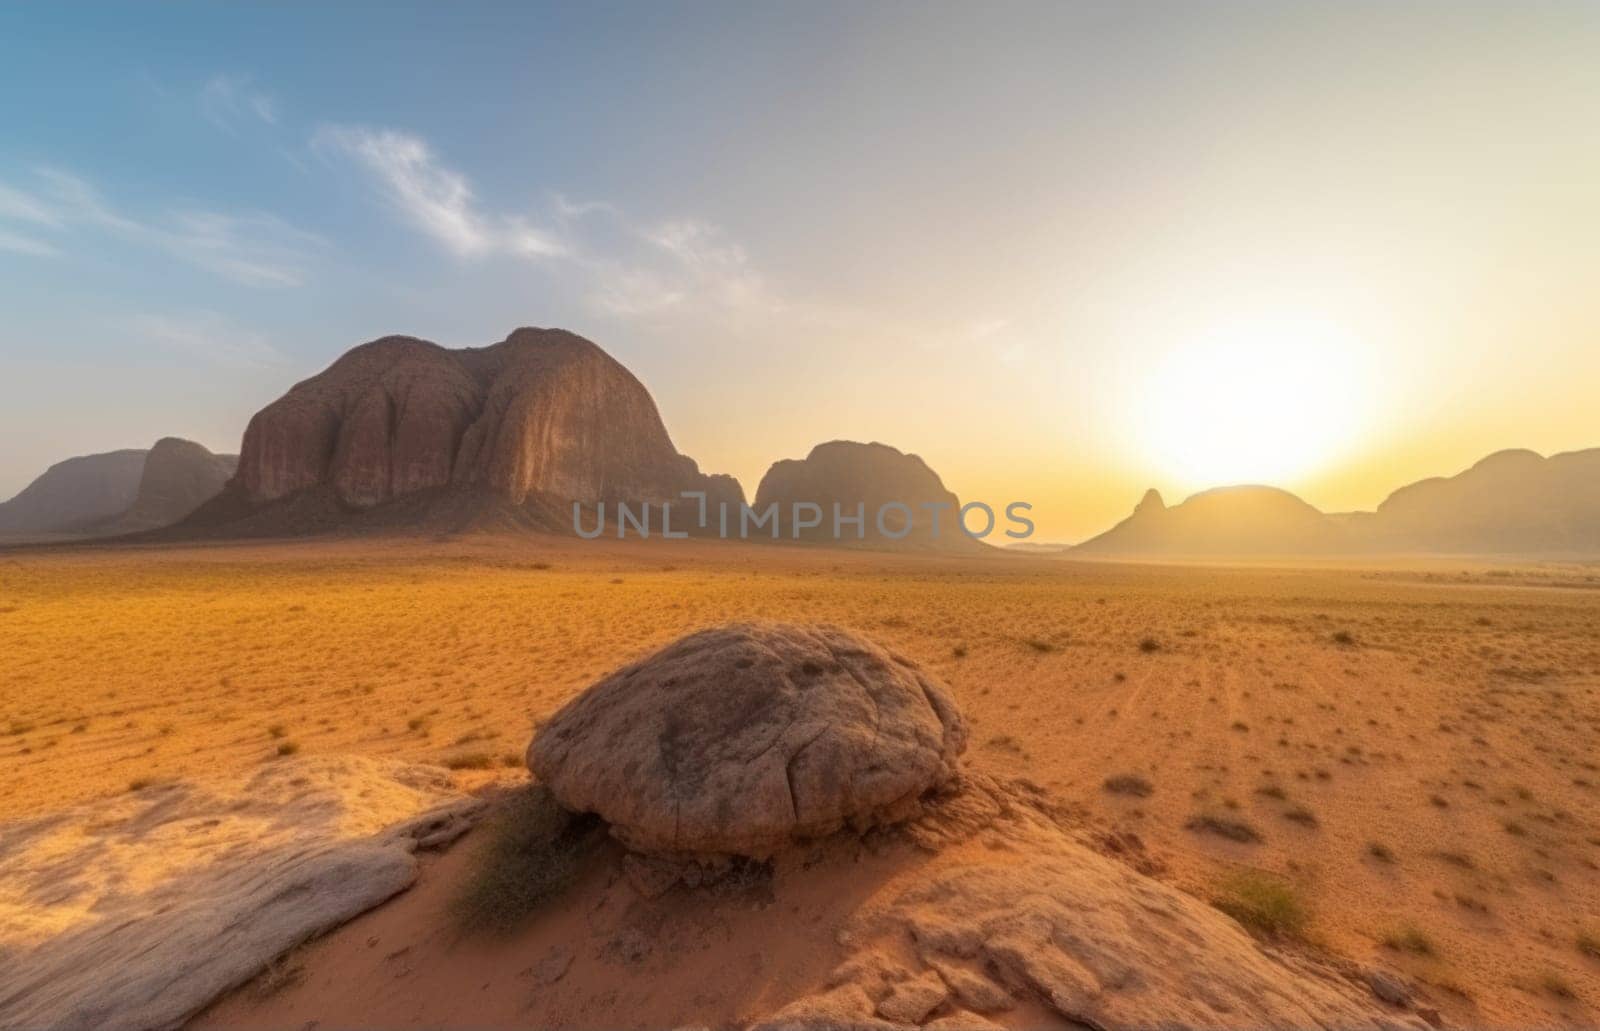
(1150,506)
(179,476)
(75,493)
(1089,939)
(863,478)
(740,739)
(545,416)
(137,911)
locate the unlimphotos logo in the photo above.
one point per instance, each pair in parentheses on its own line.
(891,520)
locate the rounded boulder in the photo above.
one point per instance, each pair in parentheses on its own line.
(739,739)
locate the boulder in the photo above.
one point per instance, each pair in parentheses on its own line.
(739,739)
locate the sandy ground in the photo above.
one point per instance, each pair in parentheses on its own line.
(1413,744)
(601,956)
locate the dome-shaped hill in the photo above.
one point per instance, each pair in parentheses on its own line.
(533,423)
(1247,520)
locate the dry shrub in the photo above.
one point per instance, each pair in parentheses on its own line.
(1263,903)
(535,851)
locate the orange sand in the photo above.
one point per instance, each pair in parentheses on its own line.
(1457,730)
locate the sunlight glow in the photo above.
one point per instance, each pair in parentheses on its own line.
(1265,401)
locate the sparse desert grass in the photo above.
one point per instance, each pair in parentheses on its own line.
(1149,644)
(1225,827)
(288,748)
(1301,815)
(470,761)
(1381,852)
(534,851)
(1129,784)
(1408,938)
(1557,985)
(1263,903)
(1589,944)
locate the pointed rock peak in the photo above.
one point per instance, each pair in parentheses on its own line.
(1151,502)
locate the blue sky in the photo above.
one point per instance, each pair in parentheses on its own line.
(965,230)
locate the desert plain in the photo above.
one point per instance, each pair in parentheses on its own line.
(1404,748)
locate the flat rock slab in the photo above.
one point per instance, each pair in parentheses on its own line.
(136,911)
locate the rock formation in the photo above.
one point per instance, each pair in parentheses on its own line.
(740,739)
(118,492)
(852,474)
(135,912)
(74,493)
(1509,502)
(1224,521)
(178,477)
(543,418)
(1094,942)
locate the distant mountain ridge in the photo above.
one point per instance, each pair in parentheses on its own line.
(117,492)
(401,435)
(1511,502)
(75,492)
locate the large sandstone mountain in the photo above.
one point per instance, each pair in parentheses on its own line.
(72,494)
(870,475)
(1510,503)
(178,477)
(1224,521)
(404,432)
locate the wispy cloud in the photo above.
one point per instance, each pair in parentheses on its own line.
(203,335)
(231,100)
(16,243)
(632,268)
(254,249)
(435,199)
(251,248)
(21,206)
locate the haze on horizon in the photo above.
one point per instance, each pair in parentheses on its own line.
(1064,253)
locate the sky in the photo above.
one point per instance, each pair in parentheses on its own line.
(1064,252)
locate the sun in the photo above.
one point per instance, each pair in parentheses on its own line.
(1264,401)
